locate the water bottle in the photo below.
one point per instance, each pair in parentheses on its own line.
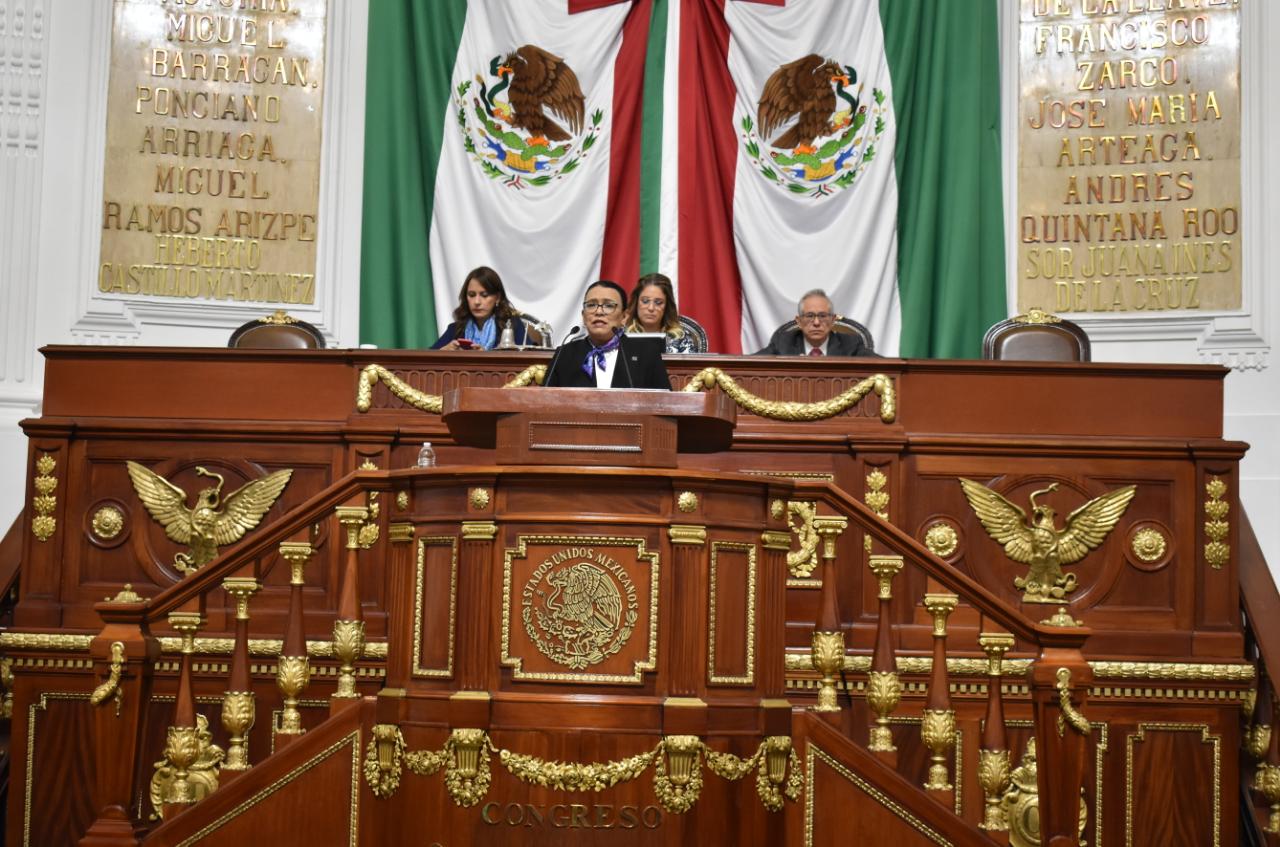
(426,456)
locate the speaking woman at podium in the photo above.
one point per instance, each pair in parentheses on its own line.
(605,357)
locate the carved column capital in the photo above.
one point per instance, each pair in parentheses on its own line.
(296,553)
(995,645)
(241,588)
(940,606)
(186,623)
(351,518)
(885,568)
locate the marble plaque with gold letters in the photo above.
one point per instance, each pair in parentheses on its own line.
(1129,156)
(212,171)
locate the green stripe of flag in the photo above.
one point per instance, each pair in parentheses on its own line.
(651,140)
(944,59)
(412,48)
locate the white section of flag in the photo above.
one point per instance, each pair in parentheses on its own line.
(546,241)
(788,243)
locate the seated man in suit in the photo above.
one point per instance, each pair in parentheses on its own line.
(605,358)
(812,335)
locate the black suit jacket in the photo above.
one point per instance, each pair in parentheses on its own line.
(792,343)
(643,367)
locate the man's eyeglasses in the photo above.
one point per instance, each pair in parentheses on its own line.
(606,306)
(816,316)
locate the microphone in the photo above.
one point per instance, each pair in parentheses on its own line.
(551,368)
(622,354)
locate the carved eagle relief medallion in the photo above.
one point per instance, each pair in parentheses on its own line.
(580,609)
(213,520)
(1037,542)
(579,613)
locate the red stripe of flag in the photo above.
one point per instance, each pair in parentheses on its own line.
(576,6)
(620,260)
(710,285)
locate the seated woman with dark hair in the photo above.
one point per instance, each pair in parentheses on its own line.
(653,309)
(483,311)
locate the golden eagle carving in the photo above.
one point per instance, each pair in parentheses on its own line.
(1038,542)
(213,520)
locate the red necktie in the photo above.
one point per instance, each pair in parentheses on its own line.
(816,351)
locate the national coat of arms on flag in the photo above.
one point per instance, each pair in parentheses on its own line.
(523,122)
(813,125)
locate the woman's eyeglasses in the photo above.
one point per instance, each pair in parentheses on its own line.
(606,306)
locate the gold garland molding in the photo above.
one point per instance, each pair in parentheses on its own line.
(1191,671)
(270,647)
(676,761)
(371,375)
(44,501)
(961,666)
(1217,552)
(46,641)
(1070,714)
(111,686)
(879,384)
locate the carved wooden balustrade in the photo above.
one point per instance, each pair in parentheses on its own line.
(1057,676)
(1260,715)
(130,729)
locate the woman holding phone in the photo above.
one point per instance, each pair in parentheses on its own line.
(483,310)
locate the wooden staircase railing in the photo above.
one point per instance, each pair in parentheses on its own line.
(1260,767)
(127,647)
(914,817)
(10,565)
(274,802)
(1058,676)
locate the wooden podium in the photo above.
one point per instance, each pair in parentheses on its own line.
(588,426)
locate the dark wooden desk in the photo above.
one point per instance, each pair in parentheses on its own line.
(1017,426)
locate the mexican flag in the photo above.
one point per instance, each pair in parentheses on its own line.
(749,149)
(848,145)
(508,136)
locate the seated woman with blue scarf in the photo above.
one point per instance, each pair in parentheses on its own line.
(483,310)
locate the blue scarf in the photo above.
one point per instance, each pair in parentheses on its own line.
(485,336)
(595,356)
